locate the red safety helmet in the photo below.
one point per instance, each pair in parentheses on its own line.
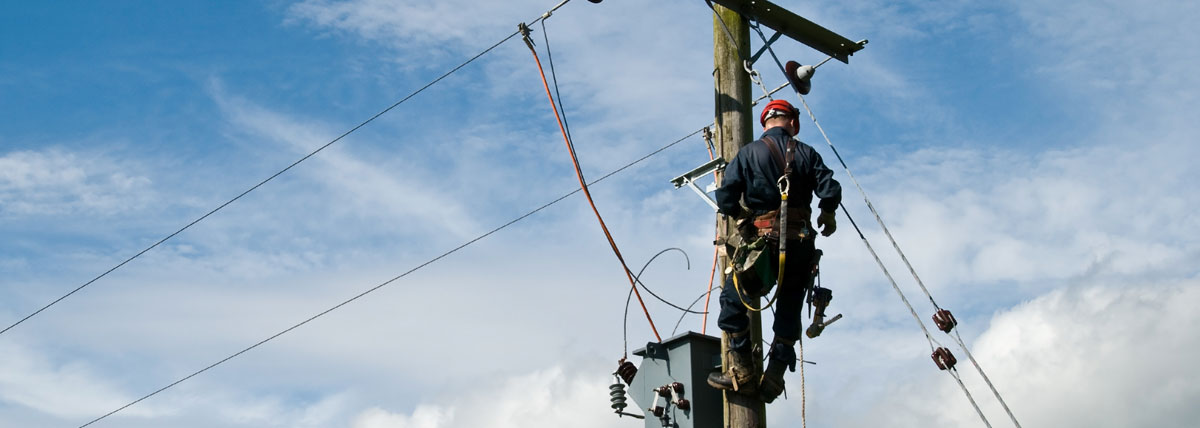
(782,106)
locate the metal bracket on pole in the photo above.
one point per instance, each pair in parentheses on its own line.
(754,58)
(689,179)
(795,27)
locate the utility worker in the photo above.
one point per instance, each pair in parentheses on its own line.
(751,192)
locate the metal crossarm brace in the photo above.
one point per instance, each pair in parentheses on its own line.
(763,49)
(794,26)
(689,179)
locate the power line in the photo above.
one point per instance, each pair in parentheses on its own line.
(256,186)
(579,173)
(377,287)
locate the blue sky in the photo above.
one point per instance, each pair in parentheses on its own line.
(1035,160)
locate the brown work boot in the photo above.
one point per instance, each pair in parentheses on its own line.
(740,369)
(783,356)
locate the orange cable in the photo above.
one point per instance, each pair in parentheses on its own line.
(588,194)
(704,322)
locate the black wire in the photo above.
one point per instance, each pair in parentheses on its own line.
(372,289)
(256,186)
(562,112)
(571,147)
(668,303)
(732,40)
(557,96)
(694,302)
(637,278)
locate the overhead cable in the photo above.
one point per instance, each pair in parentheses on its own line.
(410,271)
(629,297)
(958,339)
(272,177)
(558,116)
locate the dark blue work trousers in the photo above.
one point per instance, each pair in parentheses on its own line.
(789,304)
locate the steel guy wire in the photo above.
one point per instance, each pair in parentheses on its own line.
(988,381)
(871,249)
(256,186)
(891,280)
(954,374)
(958,339)
(377,287)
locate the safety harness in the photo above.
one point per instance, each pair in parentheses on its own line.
(772,225)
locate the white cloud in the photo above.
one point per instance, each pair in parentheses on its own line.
(989,229)
(442,25)
(1097,355)
(57,182)
(548,397)
(1105,47)
(64,389)
(424,416)
(365,188)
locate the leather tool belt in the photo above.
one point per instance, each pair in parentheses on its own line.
(768,224)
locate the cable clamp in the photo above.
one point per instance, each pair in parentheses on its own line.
(525,31)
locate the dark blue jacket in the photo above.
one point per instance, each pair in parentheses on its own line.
(753,175)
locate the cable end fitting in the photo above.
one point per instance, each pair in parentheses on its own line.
(525,31)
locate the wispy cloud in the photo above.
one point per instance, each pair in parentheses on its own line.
(69,389)
(365,188)
(1066,257)
(548,397)
(1096,354)
(59,182)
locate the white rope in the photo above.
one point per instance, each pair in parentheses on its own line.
(803,389)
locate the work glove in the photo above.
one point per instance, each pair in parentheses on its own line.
(827,223)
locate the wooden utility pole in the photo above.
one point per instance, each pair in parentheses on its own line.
(734,130)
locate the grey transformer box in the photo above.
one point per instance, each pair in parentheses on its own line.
(671,384)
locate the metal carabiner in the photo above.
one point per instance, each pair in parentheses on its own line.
(784,185)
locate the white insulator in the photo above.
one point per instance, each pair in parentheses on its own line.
(805,72)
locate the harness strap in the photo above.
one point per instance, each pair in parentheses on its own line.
(784,185)
(774,149)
